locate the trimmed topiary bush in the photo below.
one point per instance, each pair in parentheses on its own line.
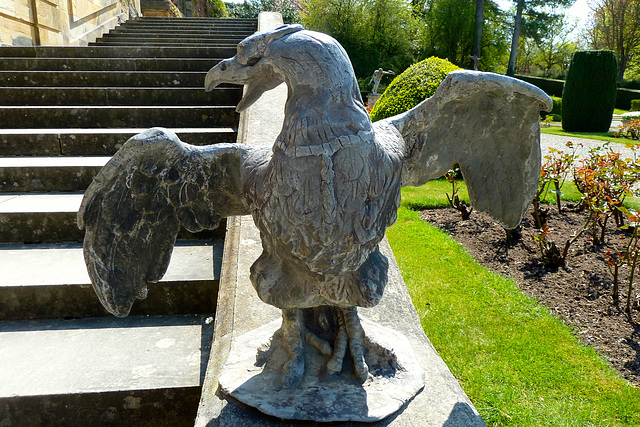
(413,86)
(635,105)
(589,94)
(556,111)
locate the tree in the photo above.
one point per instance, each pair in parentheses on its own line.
(217,9)
(477,37)
(553,52)
(515,39)
(375,33)
(451,29)
(616,26)
(290,9)
(534,17)
(548,54)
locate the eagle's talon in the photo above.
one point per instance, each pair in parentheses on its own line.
(293,372)
(334,366)
(292,333)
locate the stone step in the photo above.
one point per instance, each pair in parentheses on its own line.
(60,287)
(51,217)
(115,96)
(194,19)
(102,79)
(102,64)
(232,29)
(168,42)
(229,25)
(103,371)
(123,116)
(37,174)
(78,142)
(222,38)
(151,30)
(160,28)
(116,52)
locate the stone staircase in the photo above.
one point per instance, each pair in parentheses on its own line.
(63,112)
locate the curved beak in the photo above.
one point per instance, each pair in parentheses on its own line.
(227,71)
(256,78)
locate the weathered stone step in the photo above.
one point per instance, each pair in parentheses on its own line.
(33,96)
(60,287)
(123,116)
(184,23)
(116,52)
(102,64)
(222,38)
(36,174)
(233,29)
(203,29)
(102,78)
(51,217)
(99,371)
(193,19)
(151,30)
(162,42)
(78,142)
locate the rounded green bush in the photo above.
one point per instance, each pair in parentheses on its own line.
(589,94)
(413,86)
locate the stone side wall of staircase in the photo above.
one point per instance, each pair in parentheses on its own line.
(63,113)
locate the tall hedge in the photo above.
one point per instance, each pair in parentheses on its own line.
(589,94)
(411,87)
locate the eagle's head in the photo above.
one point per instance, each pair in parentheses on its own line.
(311,63)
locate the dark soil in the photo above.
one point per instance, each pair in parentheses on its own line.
(579,293)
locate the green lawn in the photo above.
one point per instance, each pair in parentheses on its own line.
(600,136)
(518,364)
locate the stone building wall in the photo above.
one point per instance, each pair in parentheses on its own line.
(61,22)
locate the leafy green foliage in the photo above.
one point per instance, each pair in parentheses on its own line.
(251,8)
(556,111)
(454,200)
(589,93)
(614,25)
(635,105)
(446,30)
(414,85)
(375,33)
(217,9)
(629,130)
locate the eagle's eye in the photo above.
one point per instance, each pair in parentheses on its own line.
(253,61)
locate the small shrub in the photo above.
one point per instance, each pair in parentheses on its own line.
(629,130)
(635,105)
(454,200)
(411,87)
(556,111)
(589,93)
(217,9)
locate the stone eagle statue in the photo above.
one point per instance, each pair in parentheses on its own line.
(321,197)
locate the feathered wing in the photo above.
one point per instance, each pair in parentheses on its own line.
(489,125)
(133,210)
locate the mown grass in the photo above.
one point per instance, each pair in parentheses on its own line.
(433,195)
(518,364)
(600,136)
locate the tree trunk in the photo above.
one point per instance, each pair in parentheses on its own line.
(477,43)
(511,69)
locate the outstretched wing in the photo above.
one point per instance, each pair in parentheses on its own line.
(489,125)
(133,210)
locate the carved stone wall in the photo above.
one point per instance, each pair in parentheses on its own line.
(61,22)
